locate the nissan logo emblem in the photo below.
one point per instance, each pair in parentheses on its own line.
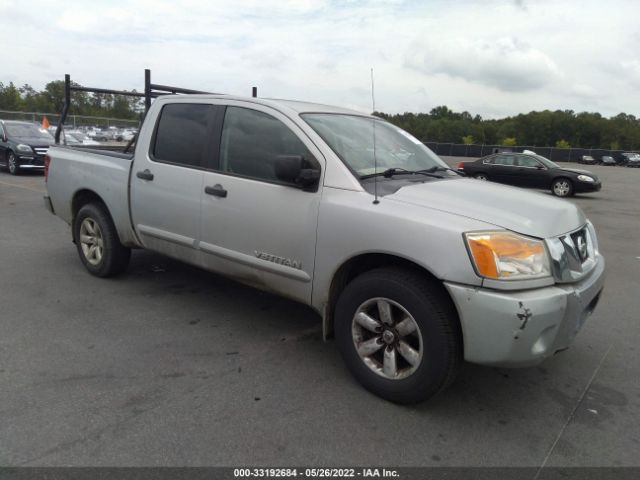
(582,247)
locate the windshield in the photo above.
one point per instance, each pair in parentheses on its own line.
(351,138)
(548,163)
(27,130)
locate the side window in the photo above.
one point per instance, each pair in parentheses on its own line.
(182,133)
(252,141)
(528,162)
(507,160)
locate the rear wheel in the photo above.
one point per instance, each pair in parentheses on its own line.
(97,241)
(481,176)
(12,164)
(398,333)
(562,187)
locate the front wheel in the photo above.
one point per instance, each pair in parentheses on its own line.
(562,187)
(12,164)
(398,333)
(97,241)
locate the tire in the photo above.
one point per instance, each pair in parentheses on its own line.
(12,164)
(562,187)
(434,336)
(102,253)
(481,176)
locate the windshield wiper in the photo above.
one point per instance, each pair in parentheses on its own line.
(438,168)
(390,172)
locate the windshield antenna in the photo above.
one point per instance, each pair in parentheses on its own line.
(375,159)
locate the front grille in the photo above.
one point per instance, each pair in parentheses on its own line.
(572,255)
(579,239)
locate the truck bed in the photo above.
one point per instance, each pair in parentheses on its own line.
(91,171)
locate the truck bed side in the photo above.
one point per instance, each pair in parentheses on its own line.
(73,172)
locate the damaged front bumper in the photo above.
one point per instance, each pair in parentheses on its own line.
(522,328)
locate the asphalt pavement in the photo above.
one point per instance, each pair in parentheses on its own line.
(168,365)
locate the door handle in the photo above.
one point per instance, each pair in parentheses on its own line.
(217,190)
(145,175)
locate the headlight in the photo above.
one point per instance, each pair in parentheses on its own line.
(24,148)
(585,178)
(507,256)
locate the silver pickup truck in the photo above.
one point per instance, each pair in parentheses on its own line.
(411,266)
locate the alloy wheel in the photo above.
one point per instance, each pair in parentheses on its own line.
(562,188)
(91,241)
(387,338)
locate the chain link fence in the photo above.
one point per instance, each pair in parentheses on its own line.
(73,121)
(552,153)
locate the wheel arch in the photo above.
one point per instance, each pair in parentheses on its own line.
(364,262)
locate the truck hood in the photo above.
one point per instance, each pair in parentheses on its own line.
(530,213)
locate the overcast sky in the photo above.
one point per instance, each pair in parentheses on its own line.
(492,57)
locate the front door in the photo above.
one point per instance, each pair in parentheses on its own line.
(533,173)
(256,228)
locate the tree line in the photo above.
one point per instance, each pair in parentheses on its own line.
(559,128)
(51,100)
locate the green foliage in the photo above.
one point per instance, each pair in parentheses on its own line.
(542,129)
(51,100)
(509,142)
(562,143)
(467,139)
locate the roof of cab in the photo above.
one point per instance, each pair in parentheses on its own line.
(280,104)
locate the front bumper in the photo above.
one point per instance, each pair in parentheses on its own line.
(27,161)
(582,187)
(522,328)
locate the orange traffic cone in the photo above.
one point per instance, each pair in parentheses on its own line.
(45,123)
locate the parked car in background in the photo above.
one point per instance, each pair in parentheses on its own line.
(623,158)
(633,161)
(98,135)
(607,160)
(533,171)
(75,137)
(23,145)
(587,160)
(83,138)
(126,135)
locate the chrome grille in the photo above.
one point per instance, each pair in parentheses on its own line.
(573,255)
(579,240)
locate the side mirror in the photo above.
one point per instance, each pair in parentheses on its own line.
(539,167)
(4,138)
(291,169)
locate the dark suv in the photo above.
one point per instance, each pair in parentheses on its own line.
(23,145)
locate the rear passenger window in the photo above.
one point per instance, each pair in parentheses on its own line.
(252,141)
(181,134)
(508,160)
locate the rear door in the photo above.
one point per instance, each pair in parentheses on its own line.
(503,169)
(166,182)
(256,228)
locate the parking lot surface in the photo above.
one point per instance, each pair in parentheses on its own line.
(171,365)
